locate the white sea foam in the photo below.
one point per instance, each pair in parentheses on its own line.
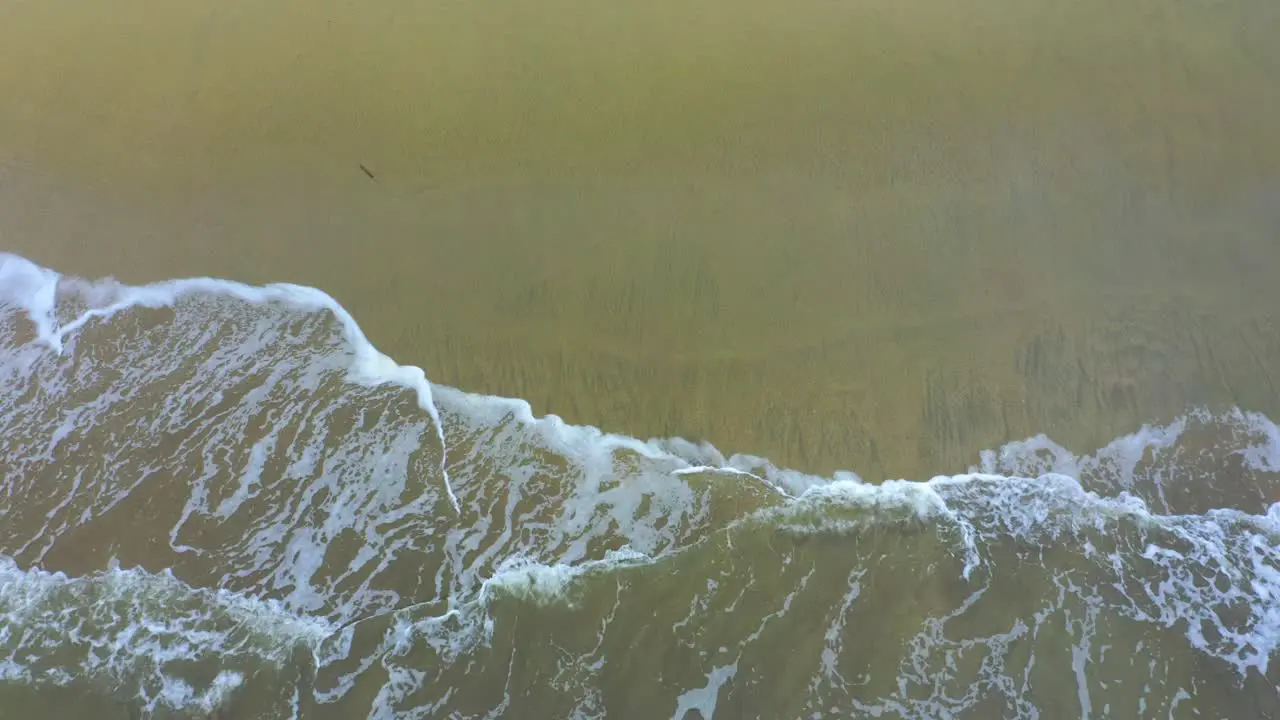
(1033,490)
(1155,459)
(591,447)
(519,578)
(653,510)
(703,699)
(545,584)
(129,628)
(1237,552)
(468,626)
(33,289)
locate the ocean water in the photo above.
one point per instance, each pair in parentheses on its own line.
(220,500)
(985,287)
(864,234)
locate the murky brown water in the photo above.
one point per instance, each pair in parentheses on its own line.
(864,235)
(834,233)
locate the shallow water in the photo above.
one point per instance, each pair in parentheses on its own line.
(838,234)
(1020,255)
(253,511)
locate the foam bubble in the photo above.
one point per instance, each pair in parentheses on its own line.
(1182,466)
(703,699)
(130,628)
(33,289)
(541,584)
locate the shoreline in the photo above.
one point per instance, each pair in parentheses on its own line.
(873,236)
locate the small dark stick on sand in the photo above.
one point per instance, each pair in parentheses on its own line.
(368,172)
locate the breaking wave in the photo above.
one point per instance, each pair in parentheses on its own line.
(320,519)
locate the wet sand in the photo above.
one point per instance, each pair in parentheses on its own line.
(871,235)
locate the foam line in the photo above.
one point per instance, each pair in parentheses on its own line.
(33,289)
(695,469)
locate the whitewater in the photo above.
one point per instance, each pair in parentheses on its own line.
(222,500)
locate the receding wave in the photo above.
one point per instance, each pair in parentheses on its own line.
(326,533)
